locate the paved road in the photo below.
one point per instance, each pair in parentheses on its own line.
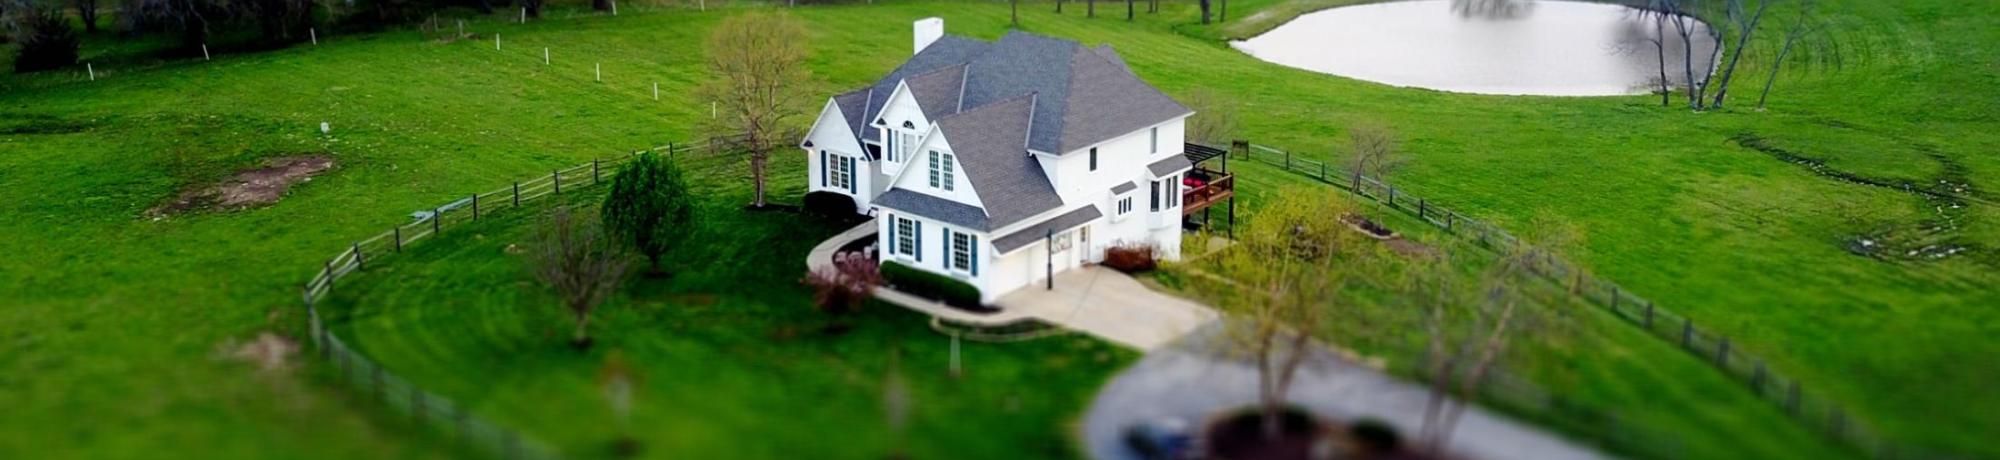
(1183,381)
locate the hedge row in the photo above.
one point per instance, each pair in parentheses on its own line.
(931,285)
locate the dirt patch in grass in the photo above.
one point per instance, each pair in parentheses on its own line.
(268,351)
(250,188)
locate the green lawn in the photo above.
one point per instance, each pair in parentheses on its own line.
(732,361)
(124,318)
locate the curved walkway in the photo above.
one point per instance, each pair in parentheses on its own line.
(1093,300)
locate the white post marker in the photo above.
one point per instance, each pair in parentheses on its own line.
(461,27)
(545,55)
(204,51)
(614,8)
(600,71)
(656,91)
(496,41)
(711,109)
(703,4)
(93,77)
(524,15)
(315,35)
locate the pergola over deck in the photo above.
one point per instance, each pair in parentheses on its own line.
(1205,187)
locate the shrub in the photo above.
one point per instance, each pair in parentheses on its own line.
(1132,257)
(931,285)
(47,41)
(842,287)
(649,206)
(829,204)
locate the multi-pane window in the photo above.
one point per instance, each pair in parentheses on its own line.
(1173,191)
(942,176)
(1154,198)
(961,251)
(841,173)
(906,237)
(909,144)
(1124,205)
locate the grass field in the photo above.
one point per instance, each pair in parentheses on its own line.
(731,360)
(125,320)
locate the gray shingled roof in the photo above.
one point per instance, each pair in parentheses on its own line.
(1039,231)
(950,212)
(1125,187)
(988,143)
(1168,166)
(937,91)
(1086,95)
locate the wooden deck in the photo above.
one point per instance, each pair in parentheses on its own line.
(1216,187)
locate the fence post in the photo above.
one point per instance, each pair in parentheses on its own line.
(1288,161)
(517,194)
(1322,171)
(593,171)
(1423,208)
(1687,331)
(557,174)
(475,206)
(398,230)
(437,214)
(1722,355)
(358,262)
(329,274)
(1649,315)
(1792,399)
(1450,220)
(1757,379)
(1392,194)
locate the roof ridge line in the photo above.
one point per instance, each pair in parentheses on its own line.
(962,77)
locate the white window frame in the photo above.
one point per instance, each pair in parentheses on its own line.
(1124,206)
(906,237)
(942,167)
(961,252)
(840,173)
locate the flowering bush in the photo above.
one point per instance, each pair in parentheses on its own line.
(842,287)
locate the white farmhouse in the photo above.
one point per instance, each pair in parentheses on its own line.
(1001,163)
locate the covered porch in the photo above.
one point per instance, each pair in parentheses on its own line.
(1206,186)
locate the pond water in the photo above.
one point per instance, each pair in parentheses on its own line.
(1512,47)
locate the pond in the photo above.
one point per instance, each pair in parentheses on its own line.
(1508,47)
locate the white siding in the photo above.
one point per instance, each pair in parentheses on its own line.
(830,134)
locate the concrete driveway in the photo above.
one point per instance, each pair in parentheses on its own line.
(1109,305)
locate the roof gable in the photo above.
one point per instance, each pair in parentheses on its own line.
(990,145)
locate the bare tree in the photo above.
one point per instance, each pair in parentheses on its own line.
(1798,33)
(1677,13)
(583,265)
(1468,337)
(1746,27)
(758,62)
(1372,152)
(1129,11)
(1204,11)
(1214,120)
(1089,8)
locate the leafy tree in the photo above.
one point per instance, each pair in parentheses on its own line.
(649,207)
(46,39)
(574,257)
(760,81)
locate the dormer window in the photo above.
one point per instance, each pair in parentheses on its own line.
(942,177)
(908,125)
